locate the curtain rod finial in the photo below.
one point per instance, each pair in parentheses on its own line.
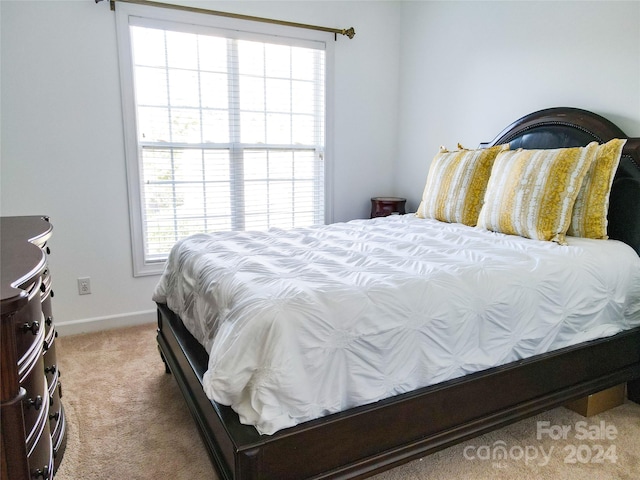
(350,32)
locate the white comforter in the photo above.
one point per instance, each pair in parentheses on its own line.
(302,323)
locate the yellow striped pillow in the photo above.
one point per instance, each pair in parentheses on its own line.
(456,184)
(589,218)
(531,192)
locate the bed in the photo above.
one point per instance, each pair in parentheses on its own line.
(369,438)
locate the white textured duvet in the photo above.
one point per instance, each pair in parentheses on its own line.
(302,323)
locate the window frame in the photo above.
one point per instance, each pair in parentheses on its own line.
(194,22)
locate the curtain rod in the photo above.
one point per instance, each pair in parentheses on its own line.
(349,32)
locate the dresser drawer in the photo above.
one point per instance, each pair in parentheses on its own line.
(47,310)
(56,412)
(35,405)
(49,349)
(40,457)
(51,369)
(29,327)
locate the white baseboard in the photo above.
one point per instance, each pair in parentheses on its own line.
(97,324)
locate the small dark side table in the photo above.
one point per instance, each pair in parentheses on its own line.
(383,206)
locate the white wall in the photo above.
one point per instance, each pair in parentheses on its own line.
(62,141)
(468,69)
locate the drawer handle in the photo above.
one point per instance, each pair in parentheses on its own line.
(33,327)
(43,287)
(37,403)
(52,294)
(52,369)
(55,416)
(49,321)
(41,473)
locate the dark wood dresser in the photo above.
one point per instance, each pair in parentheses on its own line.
(33,428)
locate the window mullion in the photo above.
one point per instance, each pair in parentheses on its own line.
(265,94)
(205,220)
(318,128)
(292,208)
(236,153)
(171,150)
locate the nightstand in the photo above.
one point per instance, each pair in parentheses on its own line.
(383,206)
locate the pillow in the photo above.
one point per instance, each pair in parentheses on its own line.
(531,192)
(456,184)
(589,218)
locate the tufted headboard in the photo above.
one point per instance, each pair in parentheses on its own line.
(572,127)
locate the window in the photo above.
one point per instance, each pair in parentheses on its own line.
(225,129)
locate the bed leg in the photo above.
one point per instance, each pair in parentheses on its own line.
(166,365)
(633,390)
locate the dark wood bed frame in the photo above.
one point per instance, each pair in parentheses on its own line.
(369,439)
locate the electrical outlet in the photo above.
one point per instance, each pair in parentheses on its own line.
(84,286)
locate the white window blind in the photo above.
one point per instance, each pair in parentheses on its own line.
(229,132)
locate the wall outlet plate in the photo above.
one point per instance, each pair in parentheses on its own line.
(84,286)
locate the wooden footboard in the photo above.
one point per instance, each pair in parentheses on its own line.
(372,438)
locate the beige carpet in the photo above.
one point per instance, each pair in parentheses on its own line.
(128,420)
